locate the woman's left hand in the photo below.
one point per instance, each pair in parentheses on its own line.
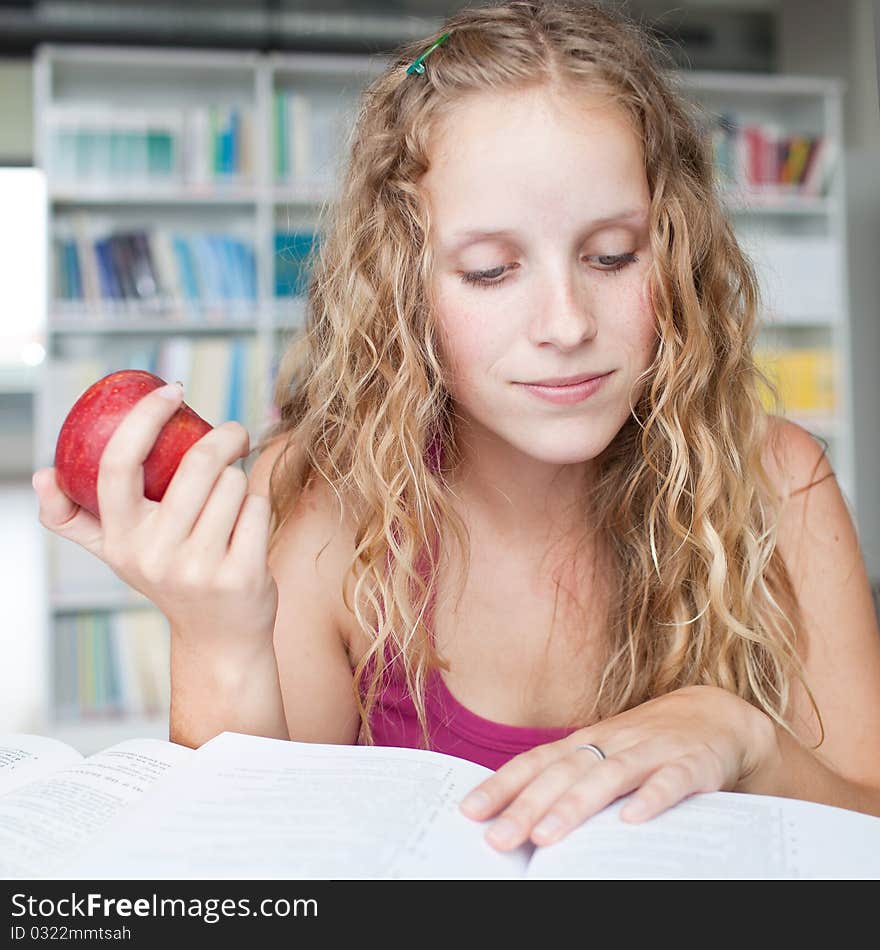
(696,739)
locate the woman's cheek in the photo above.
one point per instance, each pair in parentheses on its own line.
(461,347)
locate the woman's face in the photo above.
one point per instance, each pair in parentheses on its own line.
(559,288)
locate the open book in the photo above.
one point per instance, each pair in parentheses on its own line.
(246,807)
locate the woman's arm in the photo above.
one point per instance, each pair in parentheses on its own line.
(226,693)
(298,684)
(308,563)
(703,738)
(840,642)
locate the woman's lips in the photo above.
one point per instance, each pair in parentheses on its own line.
(567,395)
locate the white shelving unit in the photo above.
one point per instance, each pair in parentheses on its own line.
(111,82)
(797,241)
(258,202)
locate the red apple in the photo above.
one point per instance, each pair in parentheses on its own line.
(94,418)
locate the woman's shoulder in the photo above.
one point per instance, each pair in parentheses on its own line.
(307,560)
(319,531)
(793,457)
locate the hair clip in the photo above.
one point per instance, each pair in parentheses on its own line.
(416,65)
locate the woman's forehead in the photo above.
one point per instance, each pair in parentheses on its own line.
(497,129)
(529,158)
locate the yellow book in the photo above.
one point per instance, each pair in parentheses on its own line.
(766,361)
(793,167)
(804,378)
(822,377)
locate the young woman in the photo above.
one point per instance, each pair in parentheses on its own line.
(642,583)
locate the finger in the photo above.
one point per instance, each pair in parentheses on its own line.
(63,516)
(668,785)
(196,476)
(516,823)
(498,790)
(121,469)
(209,538)
(250,538)
(607,781)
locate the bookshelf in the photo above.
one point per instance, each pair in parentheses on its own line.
(184,187)
(778,146)
(195,178)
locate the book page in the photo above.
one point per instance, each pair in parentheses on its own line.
(251,807)
(719,835)
(25,757)
(43,823)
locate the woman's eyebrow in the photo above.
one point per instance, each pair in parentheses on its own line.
(461,239)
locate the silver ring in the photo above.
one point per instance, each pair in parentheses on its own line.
(592,748)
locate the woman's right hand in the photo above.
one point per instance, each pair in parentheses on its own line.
(201,554)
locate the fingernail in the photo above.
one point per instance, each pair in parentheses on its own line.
(170,391)
(634,810)
(503,831)
(475,803)
(34,480)
(548,826)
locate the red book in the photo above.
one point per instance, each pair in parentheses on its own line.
(754,139)
(815,168)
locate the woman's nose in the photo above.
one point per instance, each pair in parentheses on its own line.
(566,315)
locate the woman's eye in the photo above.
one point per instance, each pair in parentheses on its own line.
(610,264)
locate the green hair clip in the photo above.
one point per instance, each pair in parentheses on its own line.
(416,65)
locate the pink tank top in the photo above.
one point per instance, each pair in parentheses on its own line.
(452,727)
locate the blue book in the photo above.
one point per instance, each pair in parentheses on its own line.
(226,146)
(208,267)
(230,279)
(110,289)
(212,249)
(186,268)
(292,249)
(114,682)
(242,264)
(61,276)
(249,261)
(234,407)
(72,278)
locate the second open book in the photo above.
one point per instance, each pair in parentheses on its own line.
(246,807)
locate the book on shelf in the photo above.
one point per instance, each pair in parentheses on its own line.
(767,156)
(202,145)
(99,144)
(292,264)
(153,272)
(246,807)
(308,134)
(803,376)
(110,664)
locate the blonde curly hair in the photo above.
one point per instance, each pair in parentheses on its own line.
(681,501)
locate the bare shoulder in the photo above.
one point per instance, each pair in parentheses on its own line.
(318,524)
(309,560)
(259,469)
(839,638)
(793,457)
(815,515)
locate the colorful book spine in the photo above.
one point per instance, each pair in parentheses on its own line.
(804,378)
(292,261)
(156,272)
(765,155)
